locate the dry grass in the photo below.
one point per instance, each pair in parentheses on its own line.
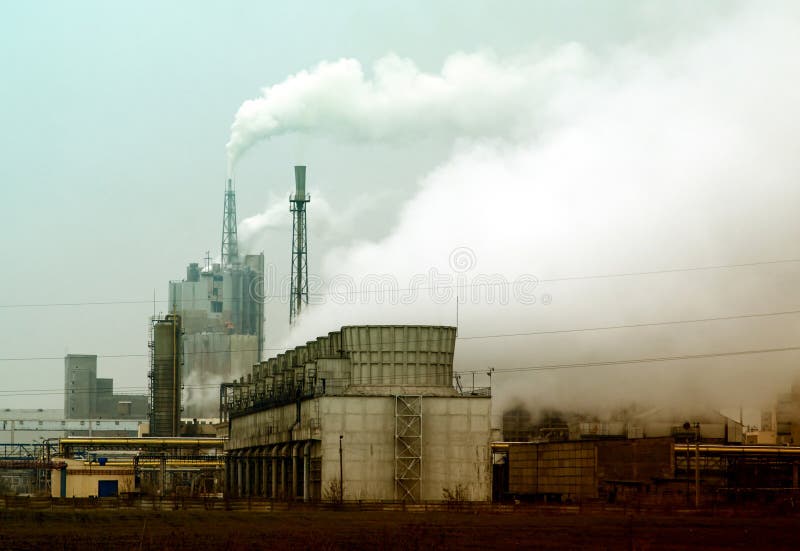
(322,530)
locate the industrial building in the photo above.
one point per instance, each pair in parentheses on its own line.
(88,397)
(105,467)
(364,413)
(645,470)
(552,426)
(222,312)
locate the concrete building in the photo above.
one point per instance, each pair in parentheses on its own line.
(223,327)
(88,397)
(364,413)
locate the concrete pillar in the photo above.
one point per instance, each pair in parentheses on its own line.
(239,477)
(265,473)
(282,475)
(295,473)
(256,461)
(306,471)
(274,485)
(248,476)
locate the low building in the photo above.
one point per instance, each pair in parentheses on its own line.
(79,478)
(31,426)
(364,413)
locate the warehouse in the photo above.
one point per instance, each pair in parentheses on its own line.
(364,413)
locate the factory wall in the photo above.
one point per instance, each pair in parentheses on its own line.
(455,442)
(579,469)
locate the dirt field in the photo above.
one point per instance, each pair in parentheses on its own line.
(387,530)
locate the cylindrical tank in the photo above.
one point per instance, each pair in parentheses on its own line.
(400,354)
(335,344)
(165,376)
(312,348)
(323,347)
(299,377)
(300,355)
(278,384)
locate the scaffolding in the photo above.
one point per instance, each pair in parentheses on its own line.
(408,447)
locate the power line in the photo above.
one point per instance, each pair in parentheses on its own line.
(375,291)
(533,368)
(471,337)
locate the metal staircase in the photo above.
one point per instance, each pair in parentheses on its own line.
(408,447)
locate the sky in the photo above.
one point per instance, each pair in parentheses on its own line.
(650,136)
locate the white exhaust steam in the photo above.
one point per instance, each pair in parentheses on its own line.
(644,160)
(474,95)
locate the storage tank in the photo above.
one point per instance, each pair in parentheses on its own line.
(419,355)
(165,377)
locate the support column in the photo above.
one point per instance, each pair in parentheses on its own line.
(306,471)
(273,489)
(265,473)
(295,474)
(239,476)
(256,490)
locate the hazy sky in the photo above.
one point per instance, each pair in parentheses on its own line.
(115,118)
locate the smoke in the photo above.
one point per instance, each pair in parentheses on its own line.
(474,95)
(643,160)
(331,225)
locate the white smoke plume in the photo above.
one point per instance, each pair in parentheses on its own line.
(474,95)
(646,160)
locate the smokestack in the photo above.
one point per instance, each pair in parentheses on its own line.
(300,182)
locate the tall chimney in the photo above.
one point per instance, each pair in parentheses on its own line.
(300,182)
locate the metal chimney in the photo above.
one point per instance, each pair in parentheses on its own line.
(300,182)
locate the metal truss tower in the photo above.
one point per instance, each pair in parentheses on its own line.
(298,294)
(230,241)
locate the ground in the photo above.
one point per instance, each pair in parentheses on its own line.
(537,529)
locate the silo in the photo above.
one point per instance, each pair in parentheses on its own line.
(165,376)
(418,355)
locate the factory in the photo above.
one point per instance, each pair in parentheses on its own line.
(363,413)
(88,397)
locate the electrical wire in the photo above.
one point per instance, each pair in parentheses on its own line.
(347,293)
(382,344)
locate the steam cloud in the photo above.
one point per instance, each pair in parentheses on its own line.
(645,160)
(475,95)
